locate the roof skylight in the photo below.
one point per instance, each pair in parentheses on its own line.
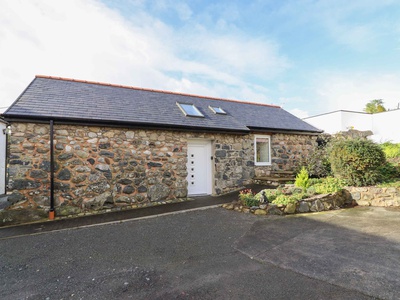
(190,110)
(217,110)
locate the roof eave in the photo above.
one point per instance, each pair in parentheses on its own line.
(287,131)
(97,122)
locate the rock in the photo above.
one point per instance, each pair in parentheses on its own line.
(15,197)
(158,192)
(67,210)
(180,193)
(128,189)
(91,161)
(38,174)
(82,169)
(45,166)
(98,187)
(229,206)
(65,156)
(79,178)
(273,210)
(260,212)
(290,208)
(154,164)
(142,189)
(24,184)
(104,146)
(8,217)
(124,181)
(60,186)
(123,199)
(317,205)
(97,202)
(64,174)
(220,153)
(107,154)
(102,167)
(62,132)
(303,207)
(82,154)
(42,200)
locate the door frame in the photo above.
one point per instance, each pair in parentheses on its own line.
(209,166)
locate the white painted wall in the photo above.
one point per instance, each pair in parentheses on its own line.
(2,159)
(384,125)
(356,120)
(341,120)
(329,123)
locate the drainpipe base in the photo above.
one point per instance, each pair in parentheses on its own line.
(51,215)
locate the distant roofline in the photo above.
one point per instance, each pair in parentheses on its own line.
(341,110)
(153,90)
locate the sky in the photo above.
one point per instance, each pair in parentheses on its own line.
(308,56)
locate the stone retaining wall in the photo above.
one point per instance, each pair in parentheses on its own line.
(316,203)
(375,196)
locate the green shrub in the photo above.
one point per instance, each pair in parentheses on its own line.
(389,172)
(357,161)
(272,194)
(302,179)
(391,150)
(317,161)
(248,198)
(286,199)
(329,185)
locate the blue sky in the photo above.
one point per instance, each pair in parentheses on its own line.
(308,56)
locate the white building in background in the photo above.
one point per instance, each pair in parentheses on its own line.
(384,125)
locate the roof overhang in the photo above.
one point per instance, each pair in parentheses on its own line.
(118,124)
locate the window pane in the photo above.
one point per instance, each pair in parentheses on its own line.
(218,110)
(190,110)
(262,148)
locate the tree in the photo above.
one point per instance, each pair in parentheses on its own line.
(374,106)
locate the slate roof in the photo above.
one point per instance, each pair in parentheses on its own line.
(92,102)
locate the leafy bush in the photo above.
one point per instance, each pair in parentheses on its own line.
(317,162)
(395,184)
(391,150)
(329,185)
(248,198)
(302,179)
(286,199)
(389,172)
(357,161)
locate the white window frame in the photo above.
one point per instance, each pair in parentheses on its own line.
(221,112)
(256,163)
(198,115)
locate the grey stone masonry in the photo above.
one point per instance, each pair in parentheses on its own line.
(101,168)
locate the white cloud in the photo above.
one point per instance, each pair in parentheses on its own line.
(84,39)
(351,91)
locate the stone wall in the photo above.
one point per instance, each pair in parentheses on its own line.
(106,168)
(286,151)
(315,203)
(376,196)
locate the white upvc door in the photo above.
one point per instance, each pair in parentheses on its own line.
(199,167)
(3,138)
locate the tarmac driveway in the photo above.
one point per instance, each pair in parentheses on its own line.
(356,248)
(211,254)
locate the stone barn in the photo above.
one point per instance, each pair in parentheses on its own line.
(79,147)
